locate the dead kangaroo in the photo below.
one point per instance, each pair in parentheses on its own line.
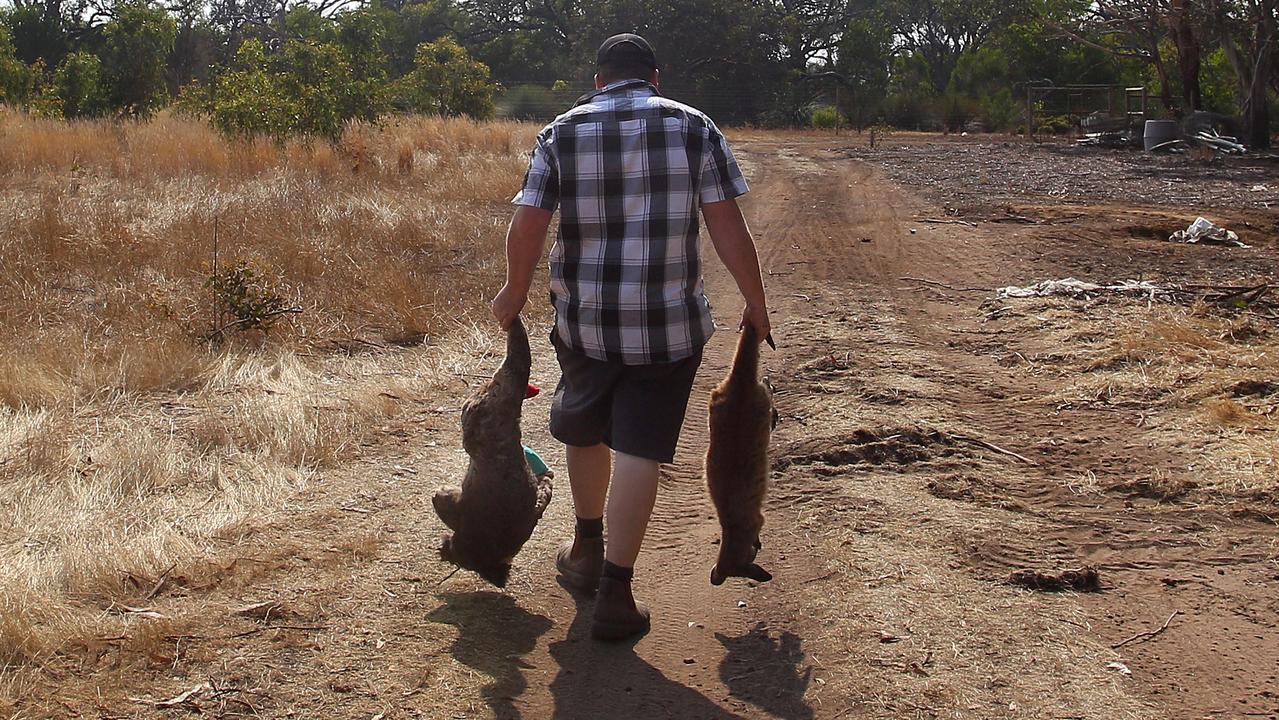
(742,418)
(493,514)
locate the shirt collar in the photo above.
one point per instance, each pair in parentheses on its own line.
(619,87)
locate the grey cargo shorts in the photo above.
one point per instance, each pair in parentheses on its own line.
(633,409)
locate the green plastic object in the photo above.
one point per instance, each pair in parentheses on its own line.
(535,463)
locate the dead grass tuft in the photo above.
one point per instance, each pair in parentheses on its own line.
(1228,413)
(1201,374)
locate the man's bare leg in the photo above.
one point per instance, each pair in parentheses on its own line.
(581,561)
(588,471)
(630,503)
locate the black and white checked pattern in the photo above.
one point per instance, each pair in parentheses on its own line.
(629,169)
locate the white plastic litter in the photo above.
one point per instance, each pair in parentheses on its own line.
(1203,230)
(1067,286)
(1070,287)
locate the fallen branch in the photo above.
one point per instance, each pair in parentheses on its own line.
(1252,293)
(255,631)
(1148,634)
(991,446)
(938,221)
(819,577)
(265,316)
(159,584)
(926,281)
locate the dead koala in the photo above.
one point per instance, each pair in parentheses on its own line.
(495,510)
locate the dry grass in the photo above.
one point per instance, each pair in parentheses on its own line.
(1206,378)
(128,445)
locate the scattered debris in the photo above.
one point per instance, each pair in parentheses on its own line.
(1141,636)
(1112,139)
(1260,388)
(261,610)
(183,698)
(926,281)
(991,446)
(1071,287)
(145,612)
(887,637)
(1118,667)
(1220,143)
(1085,579)
(977,175)
(1204,231)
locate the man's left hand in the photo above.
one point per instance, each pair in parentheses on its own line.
(507,305)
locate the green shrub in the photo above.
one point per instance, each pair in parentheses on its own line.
(245,299)
(78,86)
(827,118)
(17,79)
(1055,124)
(957,110)
(307,88)
(136,45)
(447,81)
(999,111)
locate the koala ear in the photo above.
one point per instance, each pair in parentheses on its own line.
(755,572)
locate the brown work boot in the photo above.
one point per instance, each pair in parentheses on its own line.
(617,615)
(580,563)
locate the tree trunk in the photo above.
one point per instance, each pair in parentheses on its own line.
(1257,118)
(1250,56)
(1189,53)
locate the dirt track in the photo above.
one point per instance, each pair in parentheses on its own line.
(890,530)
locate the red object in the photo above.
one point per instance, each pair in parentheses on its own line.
(532,390)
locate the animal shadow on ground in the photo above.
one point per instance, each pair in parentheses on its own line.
(598,680)
(493,632)
(765,671)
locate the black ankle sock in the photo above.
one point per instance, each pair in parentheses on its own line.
(617,572)
(590,529)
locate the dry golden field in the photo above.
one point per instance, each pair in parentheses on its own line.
(132,435)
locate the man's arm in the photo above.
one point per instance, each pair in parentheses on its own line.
(735,247)
(525,239)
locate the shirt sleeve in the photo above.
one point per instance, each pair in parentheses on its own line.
(542,181)
(721,177)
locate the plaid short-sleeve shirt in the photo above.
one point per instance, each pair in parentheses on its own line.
(629,169)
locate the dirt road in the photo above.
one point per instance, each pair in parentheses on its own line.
(893,520)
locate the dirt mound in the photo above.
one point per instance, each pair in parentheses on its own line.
(884,446)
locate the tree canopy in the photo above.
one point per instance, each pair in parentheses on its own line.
(281,66)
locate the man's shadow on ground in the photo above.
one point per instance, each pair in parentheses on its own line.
(608,680)
(493,633)
(765,672)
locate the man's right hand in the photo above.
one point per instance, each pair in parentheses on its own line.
(507,305)
(756,317)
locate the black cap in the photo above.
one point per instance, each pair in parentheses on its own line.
(624,49)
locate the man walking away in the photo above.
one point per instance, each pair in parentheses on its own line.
(628,169)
